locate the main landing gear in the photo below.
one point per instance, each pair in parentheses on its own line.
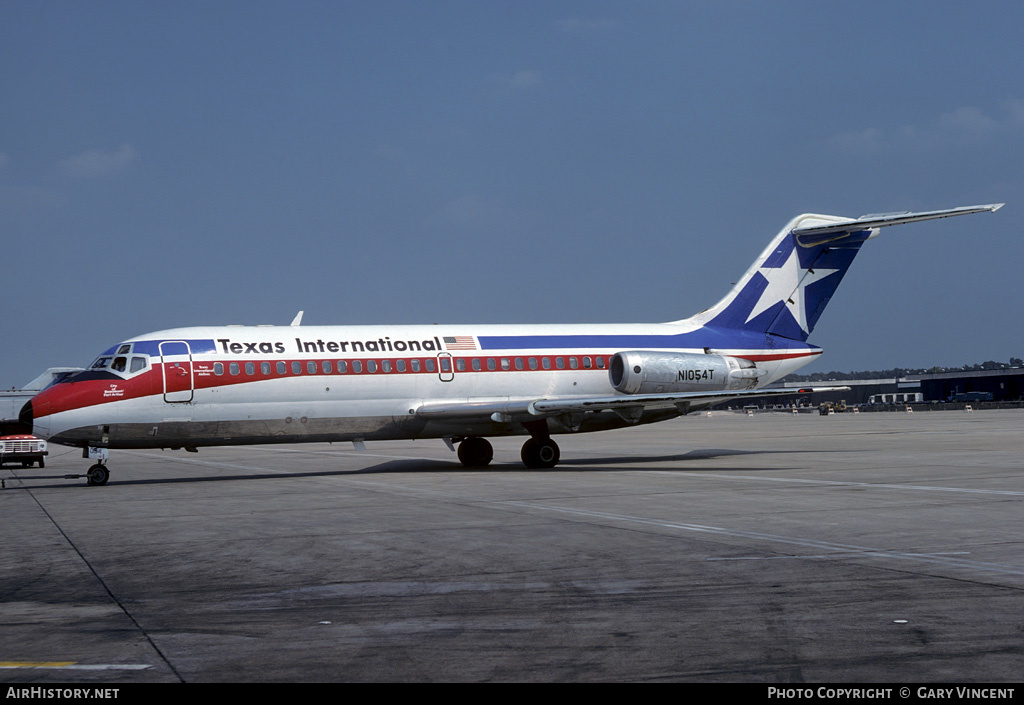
(538,452)
(476,452)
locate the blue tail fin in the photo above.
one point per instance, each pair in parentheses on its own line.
(787,288)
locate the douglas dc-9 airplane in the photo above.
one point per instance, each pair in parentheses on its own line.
(234,385)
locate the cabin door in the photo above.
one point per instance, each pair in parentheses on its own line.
(179,380)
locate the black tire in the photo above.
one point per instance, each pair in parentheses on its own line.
(476,452)
(97,475)
(538,453)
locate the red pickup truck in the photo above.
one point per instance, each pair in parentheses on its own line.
(21,448)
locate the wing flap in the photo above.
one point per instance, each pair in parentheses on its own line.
(545,407)
(474,409)
(507,410)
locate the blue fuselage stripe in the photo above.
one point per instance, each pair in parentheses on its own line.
(707,337)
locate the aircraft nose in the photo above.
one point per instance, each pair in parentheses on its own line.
(26,418)
(32,421)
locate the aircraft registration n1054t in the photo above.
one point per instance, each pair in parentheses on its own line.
(234,385)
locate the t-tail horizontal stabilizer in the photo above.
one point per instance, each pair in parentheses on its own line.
(806,234)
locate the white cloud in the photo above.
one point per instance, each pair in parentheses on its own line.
(395,156)
(522,80)
(867,141)
(964,125)
(525,80)
(580,26)
(1016,111)
(470,210)
(26,198)
(96,163)
(967,121)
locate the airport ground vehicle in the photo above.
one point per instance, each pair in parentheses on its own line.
(22,448)
(832,407)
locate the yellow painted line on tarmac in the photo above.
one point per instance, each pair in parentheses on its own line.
(74,665)
(36,664)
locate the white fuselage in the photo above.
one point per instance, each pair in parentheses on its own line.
(241,384)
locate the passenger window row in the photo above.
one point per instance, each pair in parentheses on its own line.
(429,365)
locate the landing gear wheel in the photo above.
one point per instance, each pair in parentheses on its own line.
(98,475)
(475,452)
(540,453)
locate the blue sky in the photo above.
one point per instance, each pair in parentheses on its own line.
(167,164)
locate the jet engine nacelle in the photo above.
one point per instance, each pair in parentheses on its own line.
(650,372)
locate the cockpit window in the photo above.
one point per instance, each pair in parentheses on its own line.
(124,349)
(121,363)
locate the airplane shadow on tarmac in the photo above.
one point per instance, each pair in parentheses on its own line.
(412,465)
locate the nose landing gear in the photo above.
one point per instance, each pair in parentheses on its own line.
(97,475)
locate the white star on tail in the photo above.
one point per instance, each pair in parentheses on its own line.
(787,283)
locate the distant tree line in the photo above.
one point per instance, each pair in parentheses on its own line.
(903,371)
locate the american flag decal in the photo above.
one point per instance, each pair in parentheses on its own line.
(459,342)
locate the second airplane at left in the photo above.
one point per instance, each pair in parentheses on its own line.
(207,386)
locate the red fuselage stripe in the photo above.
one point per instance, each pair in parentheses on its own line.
(204,374)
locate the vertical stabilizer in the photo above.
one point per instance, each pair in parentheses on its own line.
(785,290)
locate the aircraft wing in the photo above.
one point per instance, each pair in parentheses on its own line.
(627,405)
